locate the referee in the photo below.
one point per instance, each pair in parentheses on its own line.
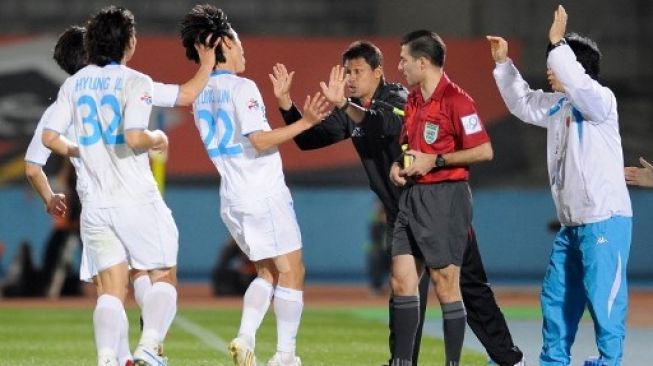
(373,118)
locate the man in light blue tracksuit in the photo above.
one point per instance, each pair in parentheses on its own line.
(585,163)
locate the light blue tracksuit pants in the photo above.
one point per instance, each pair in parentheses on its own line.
(587,267)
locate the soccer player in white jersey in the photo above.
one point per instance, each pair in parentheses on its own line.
(590,253)
(70,55)
(124,219)
(256,205)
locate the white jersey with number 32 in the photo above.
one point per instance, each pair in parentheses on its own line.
(102,103)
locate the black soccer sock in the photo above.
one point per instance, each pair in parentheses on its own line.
(453,324)
(405,317)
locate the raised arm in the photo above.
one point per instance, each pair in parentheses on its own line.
(315,109)
(190,90)
(592,99)
(332,129)
(531,106)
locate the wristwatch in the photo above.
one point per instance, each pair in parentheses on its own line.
(561,42)
(440,162)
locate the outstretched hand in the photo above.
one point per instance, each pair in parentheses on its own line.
(643,176)
(335,90)
(315,109)
(499,48)
(281,80)
(559,25)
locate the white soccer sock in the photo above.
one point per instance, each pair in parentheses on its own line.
(142,284)
(159,306)
(107,323)
(124,354)
(288,305)
(255,304)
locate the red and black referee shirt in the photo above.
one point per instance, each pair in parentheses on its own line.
(444,123)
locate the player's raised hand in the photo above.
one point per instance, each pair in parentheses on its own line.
(499,48)
(396,176)
(559,25)
(161,142)
(335,90)
(643,176)
(206,50)
(315,108)
(57,206)
(281,80)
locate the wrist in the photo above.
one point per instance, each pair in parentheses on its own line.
(501,60)
(439,161)
(284,102)
(558,42)
(343,104)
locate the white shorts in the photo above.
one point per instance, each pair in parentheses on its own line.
(266,228)
(86,270)
(143,235)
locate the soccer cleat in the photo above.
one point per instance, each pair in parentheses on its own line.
(277,360)
(148,357)
(242,353)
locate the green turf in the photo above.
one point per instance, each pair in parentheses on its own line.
(327,337)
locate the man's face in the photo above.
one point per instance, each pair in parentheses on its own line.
(363,80)
(554,82)
(409,66)
(238,54)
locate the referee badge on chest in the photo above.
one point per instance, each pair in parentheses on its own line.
(431,132)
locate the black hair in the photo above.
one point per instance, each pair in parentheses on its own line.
(424,43)
(201,22)
(69,52)
(365,50)
(108,34)
(586,51)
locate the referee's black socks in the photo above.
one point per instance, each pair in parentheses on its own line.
(453,324)
(405,318)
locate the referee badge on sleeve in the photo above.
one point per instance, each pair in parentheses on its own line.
(431,132)
(471,124)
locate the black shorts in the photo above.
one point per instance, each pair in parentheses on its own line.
(433,223)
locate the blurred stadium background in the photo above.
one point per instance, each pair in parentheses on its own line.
(513,207)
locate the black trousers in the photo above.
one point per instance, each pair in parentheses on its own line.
(483,314)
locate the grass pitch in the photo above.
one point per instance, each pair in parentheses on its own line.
(334,337)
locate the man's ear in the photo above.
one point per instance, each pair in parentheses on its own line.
(227,42)
(378,72)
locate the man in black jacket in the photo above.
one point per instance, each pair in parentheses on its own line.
(373,118)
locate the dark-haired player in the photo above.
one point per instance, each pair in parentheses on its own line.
(444,135)
(255,203)
(124,219)
(590,253)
